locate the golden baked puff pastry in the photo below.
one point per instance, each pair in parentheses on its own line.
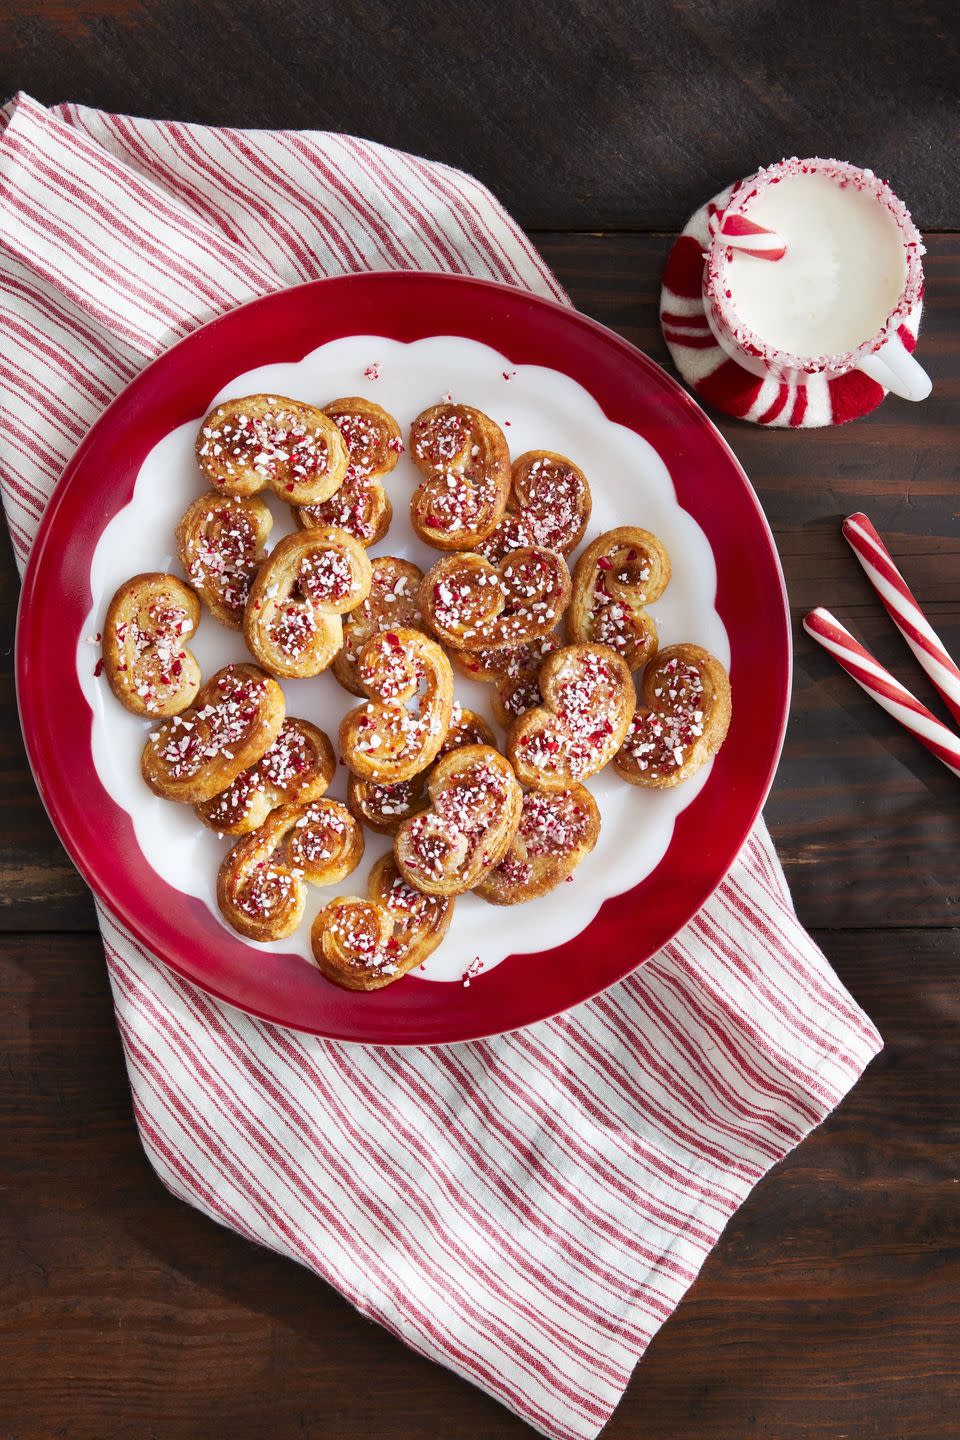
(220,541)
(149,622)
(588,703)
(557,830)
(268,442)
(683,718)
(292,623)
(514,672)
(384,807)
(298,767)
(234,719)
(262,881)
(400,729)
(360,505)
(464,459)
(475,804)
(366,944)
(619,574)
(473,605)
(393,600)
(549,505)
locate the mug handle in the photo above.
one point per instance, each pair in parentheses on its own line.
(893,367)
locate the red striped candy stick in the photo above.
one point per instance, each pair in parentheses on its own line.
(901,605)
(739,233)
(882,687)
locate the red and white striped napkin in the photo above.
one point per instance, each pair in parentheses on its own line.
(526,1210)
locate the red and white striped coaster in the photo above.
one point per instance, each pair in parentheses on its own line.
(720,381)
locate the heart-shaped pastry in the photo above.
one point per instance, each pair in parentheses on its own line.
(298,767)
(361,505)
(366,944)
(588,702)
(148,624)
(262,442)
(220,542)
(514,671)
(549,505)
(393,601)
(556,831)
(385,807)
(473,605)
(617,575)
(474,812)
(261,884)
(401,728)
(234,719)
(292,622)
(464,459)
(682,722)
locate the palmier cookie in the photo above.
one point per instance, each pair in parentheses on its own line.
(549,505)
(361,505)
(298,767)
(464,459)
(234,720)
(385,807)
(557,830)
(682,719)
(588,703)
(470,604)
(514,672)
(220,542)
(475,804)
(262,442)
(393,600)
(400,729)
(148,624)
(261,885)
(619,574)
(367,944)
(292,622)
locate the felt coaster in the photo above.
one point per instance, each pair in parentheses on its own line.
(724,384)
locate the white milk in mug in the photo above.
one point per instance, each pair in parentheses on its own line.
(850,276)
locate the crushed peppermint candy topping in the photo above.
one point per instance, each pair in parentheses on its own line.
(617,620)
(266,891)
(372,372)
(471,972)
(223,556)
(358,507)
(281,445)
(290,761)
(552,824)
(448,836)
(357,929)
(187,742)
(151,643)
(659,741)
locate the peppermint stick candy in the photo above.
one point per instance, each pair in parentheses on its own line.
(881,686)
(902,607)
(739,233)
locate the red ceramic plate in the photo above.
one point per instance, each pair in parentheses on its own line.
(631,390)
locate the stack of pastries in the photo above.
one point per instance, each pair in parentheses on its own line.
(559,651)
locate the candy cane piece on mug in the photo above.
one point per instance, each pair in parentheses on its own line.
(902,607)
(745,235)
(881,686)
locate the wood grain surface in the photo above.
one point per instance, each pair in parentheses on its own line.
(587,114)
(831,1306)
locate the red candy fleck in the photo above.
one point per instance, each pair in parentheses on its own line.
(98,669)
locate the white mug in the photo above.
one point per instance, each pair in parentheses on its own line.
(883,355)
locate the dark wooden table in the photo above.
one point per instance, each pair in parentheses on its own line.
(831,1307)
